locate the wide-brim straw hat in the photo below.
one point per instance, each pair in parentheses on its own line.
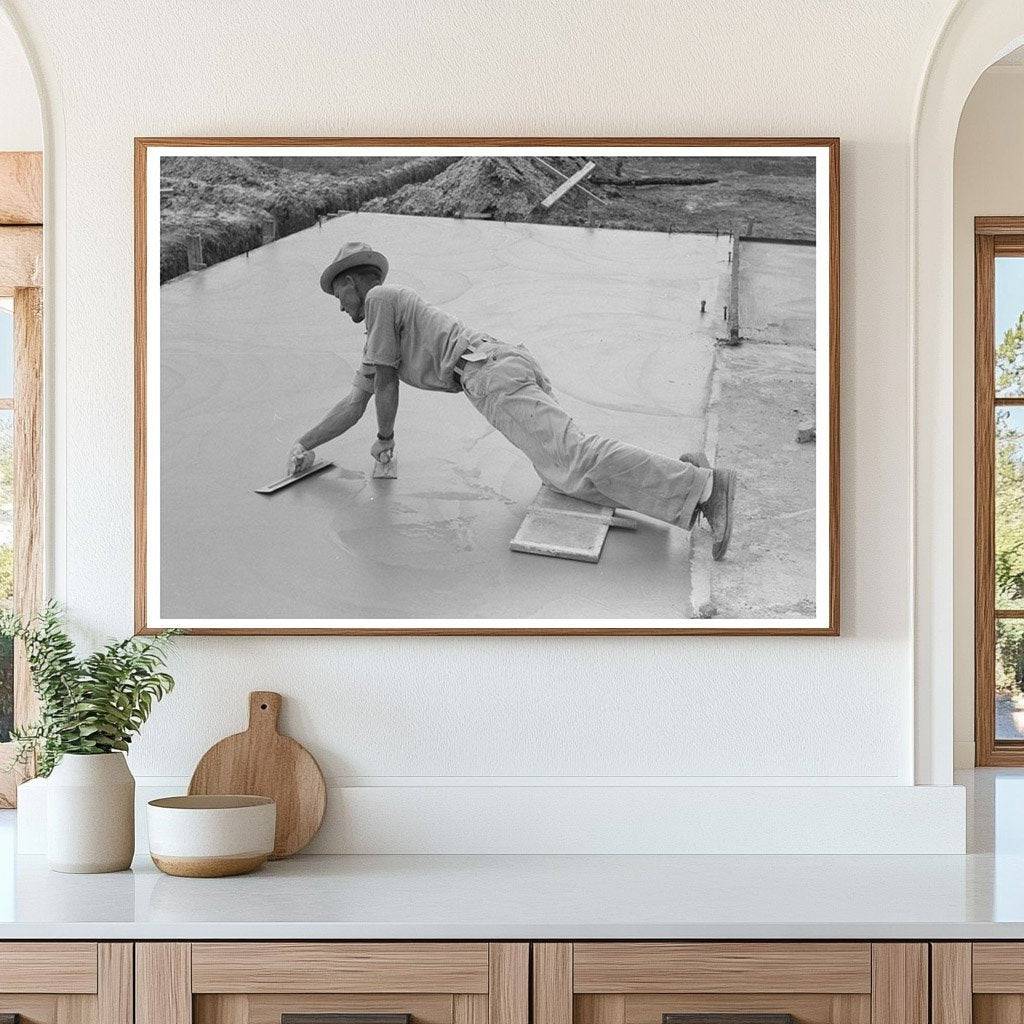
(353,254)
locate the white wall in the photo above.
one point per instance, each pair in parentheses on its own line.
(21,125)
(445,712)
(987,181)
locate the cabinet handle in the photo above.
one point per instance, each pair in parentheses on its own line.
(337,1018)
(728,1018)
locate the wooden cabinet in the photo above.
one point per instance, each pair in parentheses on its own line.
(259,982)
(980,982)
(494,983)
(645,982)
(66,982)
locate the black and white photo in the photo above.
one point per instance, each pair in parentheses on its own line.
(456,387)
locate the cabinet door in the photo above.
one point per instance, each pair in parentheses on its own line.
(749,982)
(66,982)
(306,982)
(981,982)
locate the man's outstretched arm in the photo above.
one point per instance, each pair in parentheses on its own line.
(385,398)
(342,417)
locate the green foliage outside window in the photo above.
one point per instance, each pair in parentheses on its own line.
(1009,510)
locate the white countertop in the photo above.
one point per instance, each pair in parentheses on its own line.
(531,897)
(978,896)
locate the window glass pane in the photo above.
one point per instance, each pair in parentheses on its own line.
(6,349)
(1009,679)
(1009,324)
(6,567)
(1009,574)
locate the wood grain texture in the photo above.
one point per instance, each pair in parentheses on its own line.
(139,189)
(816,1008)
(951,983)
(225,1009)
(269,1008)
(994,236)
(851,1009)
(984,503)
(997,967)
(339,967)
(508,983)
(634,967)
(28,483)
(21,188)
(115,983)
(28,502)
(32,1009)
(76,1009)
(21,258)
(262,762)
(467,1008)
(599,1009)
(899,985)
(998,1009)
(552,983)
(831,144)
(163,983)
(999,226)
(48,967)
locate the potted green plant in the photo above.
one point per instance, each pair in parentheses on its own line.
(89,710)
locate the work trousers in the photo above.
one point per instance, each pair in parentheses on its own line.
(509,388)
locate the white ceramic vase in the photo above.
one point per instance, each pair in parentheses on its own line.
(90,814)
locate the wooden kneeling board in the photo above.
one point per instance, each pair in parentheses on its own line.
(558,526)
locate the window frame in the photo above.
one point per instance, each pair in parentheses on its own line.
(993,237)
(21,252)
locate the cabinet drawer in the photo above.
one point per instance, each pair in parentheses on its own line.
(261,982)
(980,982)
(752,982)
(340,967)
(66,982)
(48,967)
(635,967)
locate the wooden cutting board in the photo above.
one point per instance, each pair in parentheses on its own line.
(262,762)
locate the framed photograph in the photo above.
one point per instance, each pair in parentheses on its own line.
(487,386)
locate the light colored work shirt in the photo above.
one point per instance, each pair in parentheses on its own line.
(421,341)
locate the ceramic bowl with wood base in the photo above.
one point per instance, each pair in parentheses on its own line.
(211,836)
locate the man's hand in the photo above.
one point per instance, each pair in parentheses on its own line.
(299,460)
(383,450)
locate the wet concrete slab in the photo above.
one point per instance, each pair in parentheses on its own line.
(253,353)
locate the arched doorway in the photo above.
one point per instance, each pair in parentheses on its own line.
(976,34)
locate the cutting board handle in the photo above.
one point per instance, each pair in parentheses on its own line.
(264,710)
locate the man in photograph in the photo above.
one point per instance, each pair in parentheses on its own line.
(423,346)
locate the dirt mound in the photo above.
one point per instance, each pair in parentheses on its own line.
(490,187)
(227,200)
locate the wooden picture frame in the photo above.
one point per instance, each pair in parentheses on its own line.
(826,619)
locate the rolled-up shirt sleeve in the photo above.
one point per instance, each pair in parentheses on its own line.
(383,346)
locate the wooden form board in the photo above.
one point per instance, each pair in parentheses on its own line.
(559,526)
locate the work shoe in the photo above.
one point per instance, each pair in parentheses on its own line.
(718,510)
(700,460)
